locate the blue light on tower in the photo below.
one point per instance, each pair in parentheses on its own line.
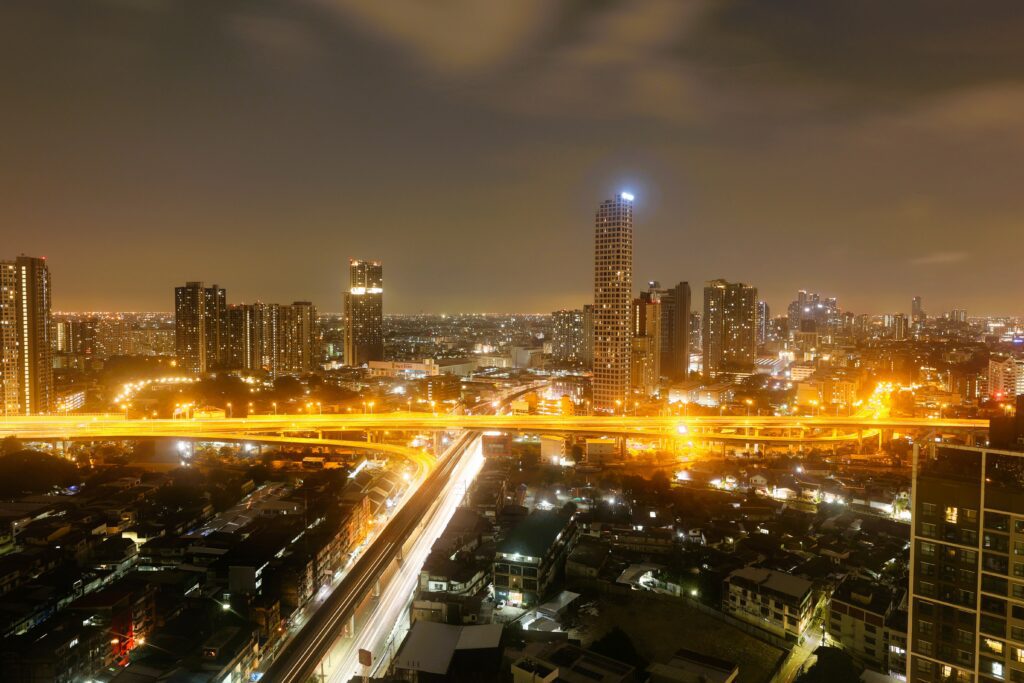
(627,196)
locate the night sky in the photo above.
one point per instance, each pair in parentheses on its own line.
(867,149)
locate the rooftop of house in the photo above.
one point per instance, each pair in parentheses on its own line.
(535,534)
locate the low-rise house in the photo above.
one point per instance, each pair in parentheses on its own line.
(778,602)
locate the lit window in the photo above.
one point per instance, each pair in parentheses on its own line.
(951,514)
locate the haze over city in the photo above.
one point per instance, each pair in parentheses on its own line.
(868,150)
(410,341)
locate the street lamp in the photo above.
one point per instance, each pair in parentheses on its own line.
(229,409)
(275,407)
(749,403)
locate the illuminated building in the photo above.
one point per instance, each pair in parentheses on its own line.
(613,294)
(569,335)
(967,570)
(645,357)
(917,313)
(896,324)
(730,326)
(190,327)
(26,366)
(300,343)
(675,329)
(215,310)
(763,320)
(1005,377)
(280,339)
(364,312)
(775,601)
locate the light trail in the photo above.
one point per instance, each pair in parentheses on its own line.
(388,612)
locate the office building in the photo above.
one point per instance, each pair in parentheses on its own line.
(568,339)
(730,327)
(967,566)
(364,312)
(26,365)
(613,295)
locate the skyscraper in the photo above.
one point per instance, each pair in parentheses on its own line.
(675,330)
(568,335)
(364,312)
(763,318)
(26,366)
(645,360)
(729,331)
(190,327)
(916,310)
(967,574)
(216,334)
(613,294)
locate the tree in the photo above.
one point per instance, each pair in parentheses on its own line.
(11,444)
(832,666)
(28,472)
(618,645)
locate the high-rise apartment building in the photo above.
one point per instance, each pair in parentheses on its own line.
(588,336)
(190,327)
(645,359)
(613,294)
(1005,377)
(216,333)
(729,331)
(26,366)
(364,312)
(967,566)
(675,330)
(569,335)
(278,339)
(763,319)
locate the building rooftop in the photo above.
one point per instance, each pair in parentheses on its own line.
(535,534)
(780,582)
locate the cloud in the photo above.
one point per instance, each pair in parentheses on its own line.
(939,258)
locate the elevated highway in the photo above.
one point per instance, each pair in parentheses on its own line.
(728,428)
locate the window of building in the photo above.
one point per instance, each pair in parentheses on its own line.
(927,549)
(1018,655)
(970,515)
(999,522)
(925,647)
(951,515)
(928,529)
(1016,633)
(1018,526)
(993,646)
(924,627)
(1018,591)
(928,509)
(1018,570)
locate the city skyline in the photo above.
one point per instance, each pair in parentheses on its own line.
(853,162)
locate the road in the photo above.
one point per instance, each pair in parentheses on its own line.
(383,622)
(301,658)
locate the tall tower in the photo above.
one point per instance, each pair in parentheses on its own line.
(729,331)
(26,367)
(675,331)
(190,327)
(613,293)
(364,312)
(216,340)
(916,310)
